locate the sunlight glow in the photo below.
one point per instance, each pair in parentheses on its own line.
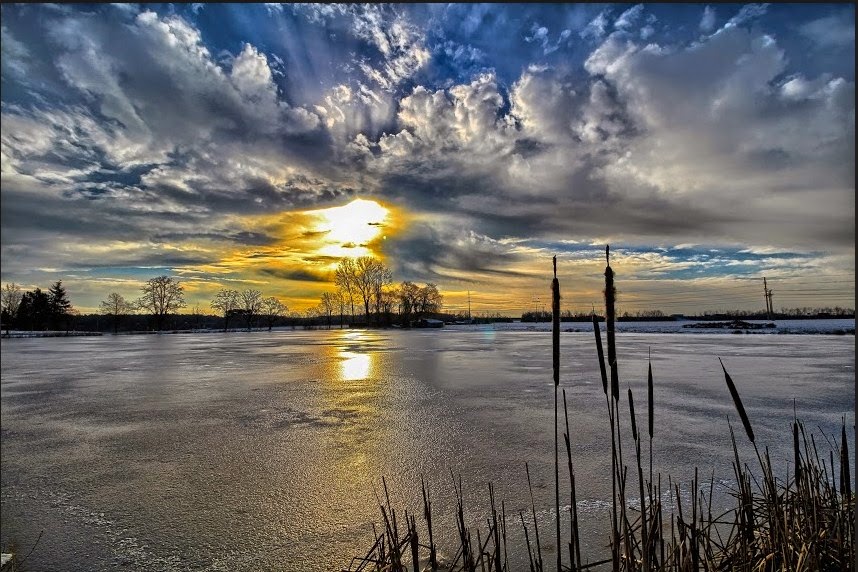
(349,229)
(354,367)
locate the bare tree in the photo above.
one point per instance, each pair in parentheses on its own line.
(273,308)
(162,296)
(371,275)
(196,316)
(328,306)
(381,277)
(10,301)
(251,303)
(227,301)
(429,300)
(409,299)
(342,303)
(310,314)
(116,306)
(388,302)
(345,278)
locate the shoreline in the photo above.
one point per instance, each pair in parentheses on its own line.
(829,326)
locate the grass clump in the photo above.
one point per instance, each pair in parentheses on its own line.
(805,522)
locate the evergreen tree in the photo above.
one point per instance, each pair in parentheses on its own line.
(58,305)
(34,311)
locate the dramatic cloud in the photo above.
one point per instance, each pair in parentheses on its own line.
(138,140)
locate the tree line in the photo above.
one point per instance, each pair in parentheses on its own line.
(366,284)
(162,297)
(36,309)
(364,295)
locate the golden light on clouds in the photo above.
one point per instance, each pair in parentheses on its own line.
(298,250)
(351,229)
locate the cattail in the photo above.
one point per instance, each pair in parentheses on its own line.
(555,328)
(610,298)
(632,414)
(845,483)
(737,401)
(797,454)
(601,352)
(650,400)
(555,343)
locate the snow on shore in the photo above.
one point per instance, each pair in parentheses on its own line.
(830,327)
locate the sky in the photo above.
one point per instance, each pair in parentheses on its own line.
(254,145)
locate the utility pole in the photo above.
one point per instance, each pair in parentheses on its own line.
(771,304)
(768,296)
(469,305)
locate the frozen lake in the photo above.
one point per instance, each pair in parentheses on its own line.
(262,451)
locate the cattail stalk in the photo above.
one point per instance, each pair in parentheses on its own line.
(644,524)
(650,412)
(845,482)
(574,541)
(535,524)
(555,345)
(737,401)
(609,309)
(610,315)
(601,353)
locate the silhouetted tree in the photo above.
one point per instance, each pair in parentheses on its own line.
(370,276)
(272,308)
(341,302)
(162,296)
(251,303)
(409,299)
(345,278)
(58,306)
(382,278)
(227,301)
(10,300)
(116,307)
(327,306)
(429,300)
(34,310)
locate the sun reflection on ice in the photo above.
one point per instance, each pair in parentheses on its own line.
(354,366)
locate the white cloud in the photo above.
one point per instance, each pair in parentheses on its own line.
(274,8)
(629,18)
(540,35)
(831,31)
(747,13)
(14,53)
(465,117)
(596,28)
(713,109)
(399,42)
(348,111)
(707,21)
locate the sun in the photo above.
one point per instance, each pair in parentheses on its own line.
(349,229)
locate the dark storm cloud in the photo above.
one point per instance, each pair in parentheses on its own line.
(427,251)
(241,238)
(298,275)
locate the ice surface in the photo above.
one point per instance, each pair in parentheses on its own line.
(258,451)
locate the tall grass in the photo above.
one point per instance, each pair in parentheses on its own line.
(805,522)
